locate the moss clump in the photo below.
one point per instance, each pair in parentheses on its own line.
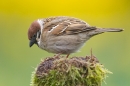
(75,71)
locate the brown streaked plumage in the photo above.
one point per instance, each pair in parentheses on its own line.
(63,35)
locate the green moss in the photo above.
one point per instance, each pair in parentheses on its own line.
(76,71)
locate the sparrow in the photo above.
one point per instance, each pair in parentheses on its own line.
(63,35)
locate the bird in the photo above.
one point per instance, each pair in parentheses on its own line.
(63,34)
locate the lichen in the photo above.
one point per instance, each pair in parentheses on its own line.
(75,71)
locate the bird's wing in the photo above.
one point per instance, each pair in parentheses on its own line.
(78,28)
(67,26)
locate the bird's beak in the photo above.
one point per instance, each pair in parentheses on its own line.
(33,41)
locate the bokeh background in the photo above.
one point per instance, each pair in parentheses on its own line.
(17,59)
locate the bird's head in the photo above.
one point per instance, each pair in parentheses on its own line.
(34,32)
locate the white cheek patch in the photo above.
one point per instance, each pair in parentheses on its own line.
(40,23)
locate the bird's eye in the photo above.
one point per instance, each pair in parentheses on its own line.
(34,35)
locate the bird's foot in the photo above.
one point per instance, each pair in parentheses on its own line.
(67,55)
(57,55)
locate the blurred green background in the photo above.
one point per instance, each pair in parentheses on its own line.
(17,59)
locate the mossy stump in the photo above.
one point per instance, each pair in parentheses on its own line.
(75,71)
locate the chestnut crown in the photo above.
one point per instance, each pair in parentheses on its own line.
(33,29)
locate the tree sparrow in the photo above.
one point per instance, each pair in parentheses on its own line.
(63,35)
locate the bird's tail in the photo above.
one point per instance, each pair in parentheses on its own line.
(109,30)
(102,30)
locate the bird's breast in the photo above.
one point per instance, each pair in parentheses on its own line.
(62,44)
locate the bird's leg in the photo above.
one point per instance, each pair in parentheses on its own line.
(67,55)
(92,57)
(57,55)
